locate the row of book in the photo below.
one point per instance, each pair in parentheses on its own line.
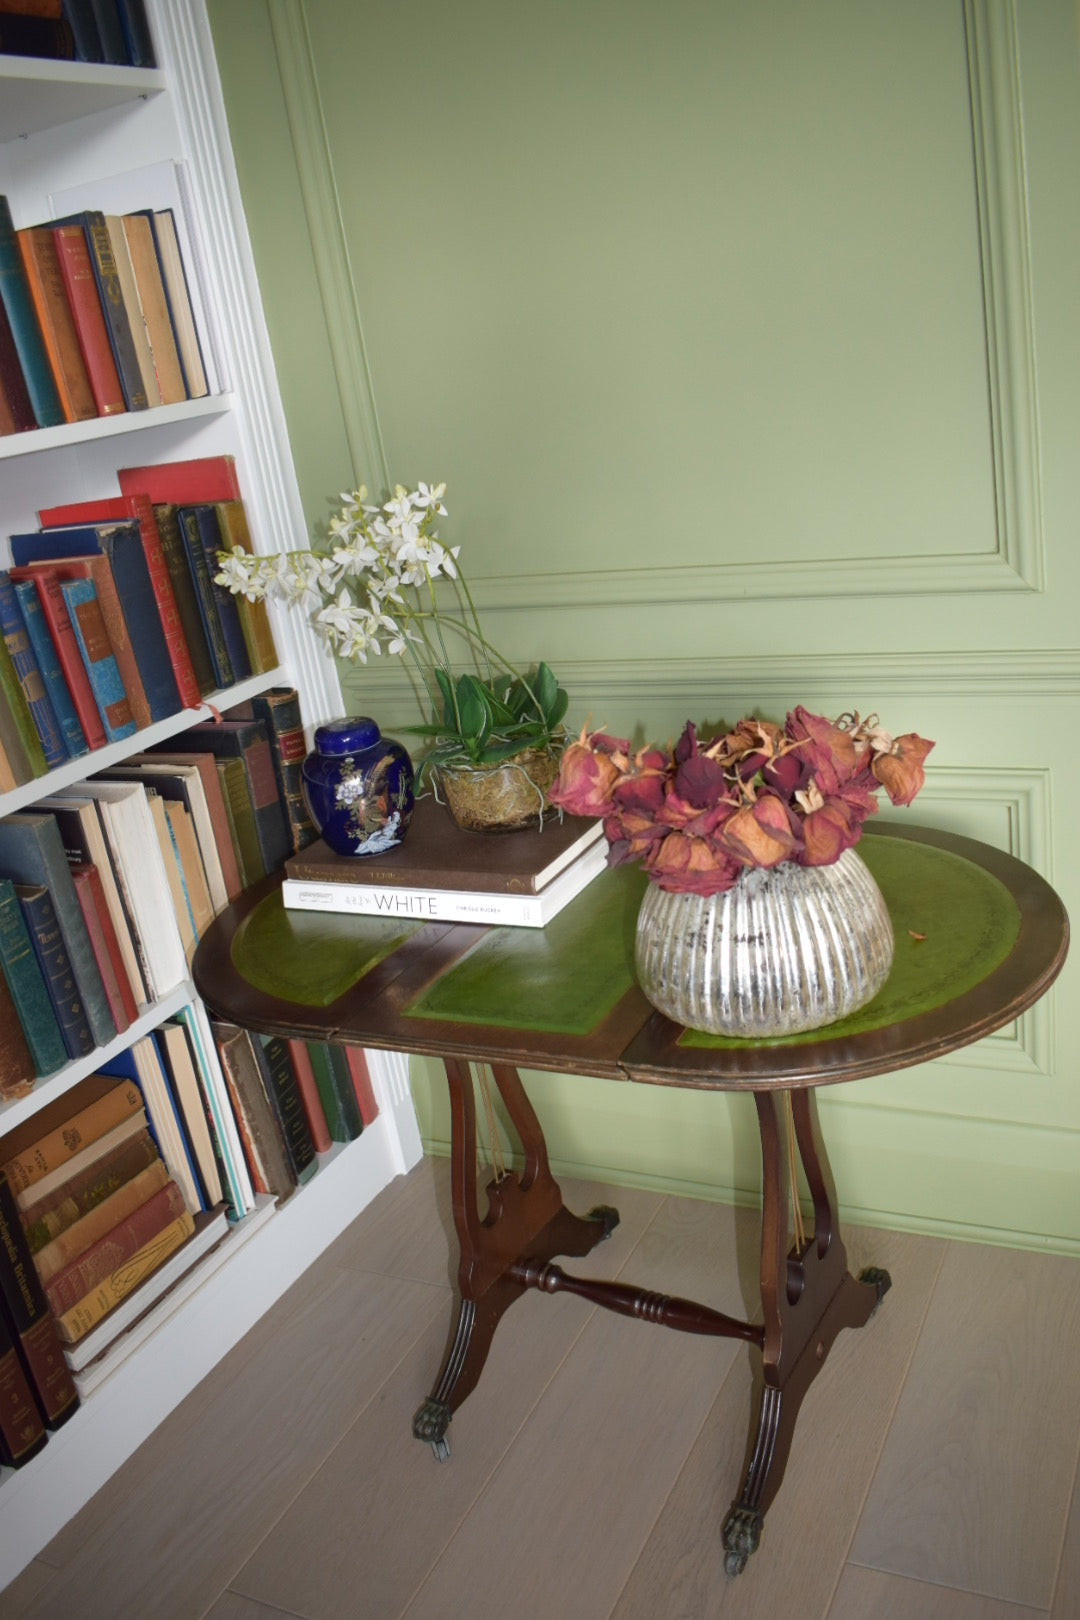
(114,31)
(111,1195)
(96,318)
(111,619)
(107,885)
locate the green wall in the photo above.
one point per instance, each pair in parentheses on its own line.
(746,341)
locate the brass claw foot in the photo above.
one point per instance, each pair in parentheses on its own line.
(740,1537)
(431,1423)
(875,1277)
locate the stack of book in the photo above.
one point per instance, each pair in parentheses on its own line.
(114,31)
(440,873)
(111,620)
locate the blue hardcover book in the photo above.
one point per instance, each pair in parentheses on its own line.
(25,663)
(51,674)
(47,942)
(95,648)
(26,982)
(208,595)
(19,308)
(121,544)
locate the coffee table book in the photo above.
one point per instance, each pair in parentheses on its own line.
(438,872)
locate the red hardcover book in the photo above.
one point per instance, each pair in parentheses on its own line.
(120,509)
(184,483)
(112,612)
(67,650)
(361,1079)
(77,274)
(104,943)
(12,382)
(22,1433)
(37,249)
(103,1257)
(309,1096)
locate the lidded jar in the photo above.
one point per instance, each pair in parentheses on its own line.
(358,786)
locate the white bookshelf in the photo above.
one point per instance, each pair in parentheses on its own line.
(65,126)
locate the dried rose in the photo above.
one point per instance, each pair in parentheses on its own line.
(900,771)
(760,834)
(588,771)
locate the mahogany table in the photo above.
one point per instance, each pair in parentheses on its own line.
(979,938)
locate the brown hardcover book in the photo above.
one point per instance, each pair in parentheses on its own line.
(17,1072)
(104,944)
(129,293)
(111,1250)
(436,854)
(33,8)
(77,1322)
(183,318)
(82,1234)
(206,765)
(84,302)
(98,569)
(254,619)
(155,308)
(65,1205)
(37,249)
(29,1315)
(61,1129)
(279,710)
(260,1134)
(237,797)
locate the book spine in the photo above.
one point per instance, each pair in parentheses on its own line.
(279,710)
(123,546)
(137,38)
(338,1099)
(19,306)
(81,1235)
(99,661)
(236,796)
(279,1082)
(83,1273)
(64,640)
(188,519)
(309,1096)
(115,619)
(117,323)
(77,274)
(17,1071)
(29,1313)
(77,1322)
(260,1138)
(188,695)
(356,1058)
(12,382)
(155,309)
(49,296)
(236,1186)
(105,945)
(19,711)
(109,32)
(47,942)
(178,294)
(25,664)
(254,619)
(51,674)
(186,596)
(61,1144)
(28,990)
(114,224)
(45,1220)
(80,19)
(22,1433)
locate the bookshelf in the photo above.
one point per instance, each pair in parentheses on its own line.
(71,126)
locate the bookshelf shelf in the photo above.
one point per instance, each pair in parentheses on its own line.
(36,94)
(17,445)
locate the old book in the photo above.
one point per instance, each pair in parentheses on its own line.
(254,618)
(77,274)
(76,1238)
(279,710)
(22,1433)
(309,1096)
(16,768)
(129,292)
(176,1057)
(178,294)
(18,411)
(260,1132)
(23,735)
(110,33)
(137,38)
(155,308)
(110,293)
(52,675)
(220,623)
(186,846)
(104,943)
(356,1058)
(39,1148)
(31,1318)
(79,15)
(98,570)
(24,661)
(186,597)
(182,784)
(46,1218)
(86,1270)
(26,983)
(279,1083)
(66,644)
(76,1322)
(57,973)
(23,323)
(236,1181)
(99,660)
(32,851)
(17,1069)
(89,1156)
(247,741)
(37,249)
(141,1064)
(336,1092)
(236,798)
(199,479)
(36,36)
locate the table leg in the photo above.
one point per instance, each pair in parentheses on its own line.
(526,1220)
(807,1296)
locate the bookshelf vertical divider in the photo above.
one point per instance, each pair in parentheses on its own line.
(242,1280)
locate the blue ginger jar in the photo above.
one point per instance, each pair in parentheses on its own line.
(359,787)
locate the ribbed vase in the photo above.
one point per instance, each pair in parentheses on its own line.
(784,951)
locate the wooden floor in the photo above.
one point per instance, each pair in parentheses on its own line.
(933,1476)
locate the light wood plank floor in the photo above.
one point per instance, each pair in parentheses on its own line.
(933,1476)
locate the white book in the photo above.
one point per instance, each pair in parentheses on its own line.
(159,1105)
(178,1059)
(152,765)
(240,1191)
(451,905)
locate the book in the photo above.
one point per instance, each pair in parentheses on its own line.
(181,786)
(175,1053)
(137,37)
(150,287)
(258,637)
(178,295)
(15,764)
(236,1181)
(309,1096)
(236,797)
(26,983)
(97,569)
(32,851)
(76,1322)
(22,1433)
(57,973)
(198,778)
(18,411)
(222,642)
(89,1156)
(66,645)
(48,1217)
(260,1131)
(189,859)
(28,671)
(84,303)
(279,710)
(141,1064)
(186,597)
(356,1058)
(79,16)
(336,1092)
(81,1234)
(36,36)
(111,297)
(129,292)
(114,1248)
(104,943)
(110,33)
(23,323)
(39,1148)
(17,1068)
(279,1083)
(81,600)
(247,741)
(79,824)
(497,908)
(34,1329)
(185,483)
(23,745)
(37,249)
(71,732)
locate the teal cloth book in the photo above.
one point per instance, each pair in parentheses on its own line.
(95,649)
(43,928)
(19,308)
(25,663)
(52,675)
(26,982)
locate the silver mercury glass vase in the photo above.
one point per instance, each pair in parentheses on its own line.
(786,950)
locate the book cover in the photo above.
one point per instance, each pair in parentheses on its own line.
(62,633)
(56,970)
(185,483)
(254,618)
(246,740)
(52,675)
(279,710)
(452,905)
(105,945)
(19,412)
(79,16)
(28,672)
(178,295)
(30,756)
(186,845)
(260,1132)
(309,1096)
(37,249)
(155,309)
(17,1070)
(25,331)
(336,1093)
(38,1147)
(182,909)
(99,660)
(22,1433)
(111,298)
(32,851)
(110,33)
(279,1083)
(112,1250)
(77,274)
(176,1057)
(356,1058)
(25,981)
(14,763)
(129,292)
(48,1217)
(90,1155)
(79,824)
(75,1323)
(81,1234)
(97,569)
(28,1312)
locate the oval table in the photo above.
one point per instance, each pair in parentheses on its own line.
(979,938)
